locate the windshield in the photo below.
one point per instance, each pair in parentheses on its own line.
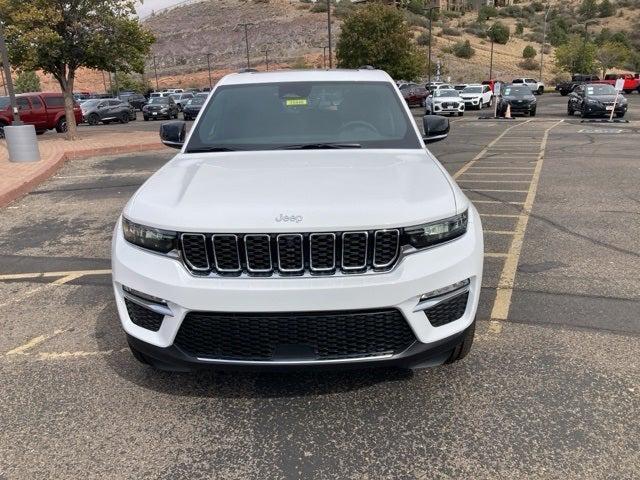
(158,100)
(512,90)
(304,114)
(600,90)
(446,93)
(4,102)
(472,90)
(196,101)
(91,103)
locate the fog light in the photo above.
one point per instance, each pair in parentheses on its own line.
(444,290)
(144,296)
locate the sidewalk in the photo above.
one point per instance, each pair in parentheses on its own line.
(17,179)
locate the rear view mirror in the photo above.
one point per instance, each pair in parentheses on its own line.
(435,128)
(173,134)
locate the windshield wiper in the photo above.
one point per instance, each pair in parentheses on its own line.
(211,149)
(318,146)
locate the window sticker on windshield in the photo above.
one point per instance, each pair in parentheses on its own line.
(295,102)
(590,90)
(507,91)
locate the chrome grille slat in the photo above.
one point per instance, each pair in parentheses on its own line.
(194,251)
(257,253)
(290,249)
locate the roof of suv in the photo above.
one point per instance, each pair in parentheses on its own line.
(364,75)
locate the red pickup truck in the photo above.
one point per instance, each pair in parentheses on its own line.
(631,81)
(43,110)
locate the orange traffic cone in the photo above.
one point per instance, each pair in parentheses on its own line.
(508,113)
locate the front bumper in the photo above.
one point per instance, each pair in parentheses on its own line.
(601,110)
(439,108)
(472,102)
(521,107)
(401,289)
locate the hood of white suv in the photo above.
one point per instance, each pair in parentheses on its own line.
(279,191)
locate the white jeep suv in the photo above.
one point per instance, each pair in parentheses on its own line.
(303,224)
(477,96)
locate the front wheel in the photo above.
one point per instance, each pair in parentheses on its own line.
(540,90)
(61,126)
(93,119)
(124,118)
(2,125)
(460,114)
(620,115)
(464,347)
(564,93)
(532,113)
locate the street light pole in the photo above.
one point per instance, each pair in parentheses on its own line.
(155,70)
(430,13)
(266,56)
(491,61)
(246,40)
(329,33)
(544,38)
(4,56)
(209,69)
(324,57)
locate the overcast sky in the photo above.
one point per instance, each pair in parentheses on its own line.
(150,5)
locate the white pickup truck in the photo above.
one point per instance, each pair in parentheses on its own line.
(536,87)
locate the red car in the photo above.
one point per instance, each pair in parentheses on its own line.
(631,81)
(415,96)
(43,110)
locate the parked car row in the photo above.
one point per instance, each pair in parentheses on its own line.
(43,110)
(631,82)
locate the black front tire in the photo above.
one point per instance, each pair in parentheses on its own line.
(93,119)
(61,126)
(460,114)
(532,113)
(124,118)
(564,93)
(464,347)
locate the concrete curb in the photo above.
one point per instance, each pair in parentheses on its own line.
(51,166)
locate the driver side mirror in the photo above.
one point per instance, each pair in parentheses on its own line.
(436,128)
(173,134)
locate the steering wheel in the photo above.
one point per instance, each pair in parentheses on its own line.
(360,123)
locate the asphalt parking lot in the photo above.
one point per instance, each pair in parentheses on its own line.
(550,390)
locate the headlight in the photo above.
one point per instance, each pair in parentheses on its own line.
(430,234)
(147,237)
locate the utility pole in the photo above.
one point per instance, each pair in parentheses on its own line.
(155,69)
(491,61)
(429,11)
(104,81)
(115,79)
(329,33)
(544,38)
(246,39)
(209,69)
(4,56)
(266,56)
(4,85)
(324,56)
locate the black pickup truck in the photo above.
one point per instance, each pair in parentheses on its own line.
(565,88)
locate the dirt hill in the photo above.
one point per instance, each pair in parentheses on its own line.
(294,36)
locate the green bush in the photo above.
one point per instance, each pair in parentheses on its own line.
(342,9)
(451,31)
(486,12)
(319,7)
(478,29)
(606,9)
(519,28)
(499,33)
(529,52)
(423,39)
(513,11)
(416,20)
(463,49)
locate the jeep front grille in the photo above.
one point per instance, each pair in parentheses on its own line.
(290,253)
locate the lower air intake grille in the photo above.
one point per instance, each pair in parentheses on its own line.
(447,311)
(143,317)
(294,336)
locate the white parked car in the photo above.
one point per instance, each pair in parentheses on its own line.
(445,101)
(181,99)
(536,87)
(294,232)
(477,96)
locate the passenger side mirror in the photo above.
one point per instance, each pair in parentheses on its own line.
(436,128)
(172,134)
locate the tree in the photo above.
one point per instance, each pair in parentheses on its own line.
(529,52)
(611,54)
(606,9)
(576,56)
(27,81)
(59,37)
(463,49)
(499,33)
(377,35)
(128,83)
(558,32)
(588,9)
